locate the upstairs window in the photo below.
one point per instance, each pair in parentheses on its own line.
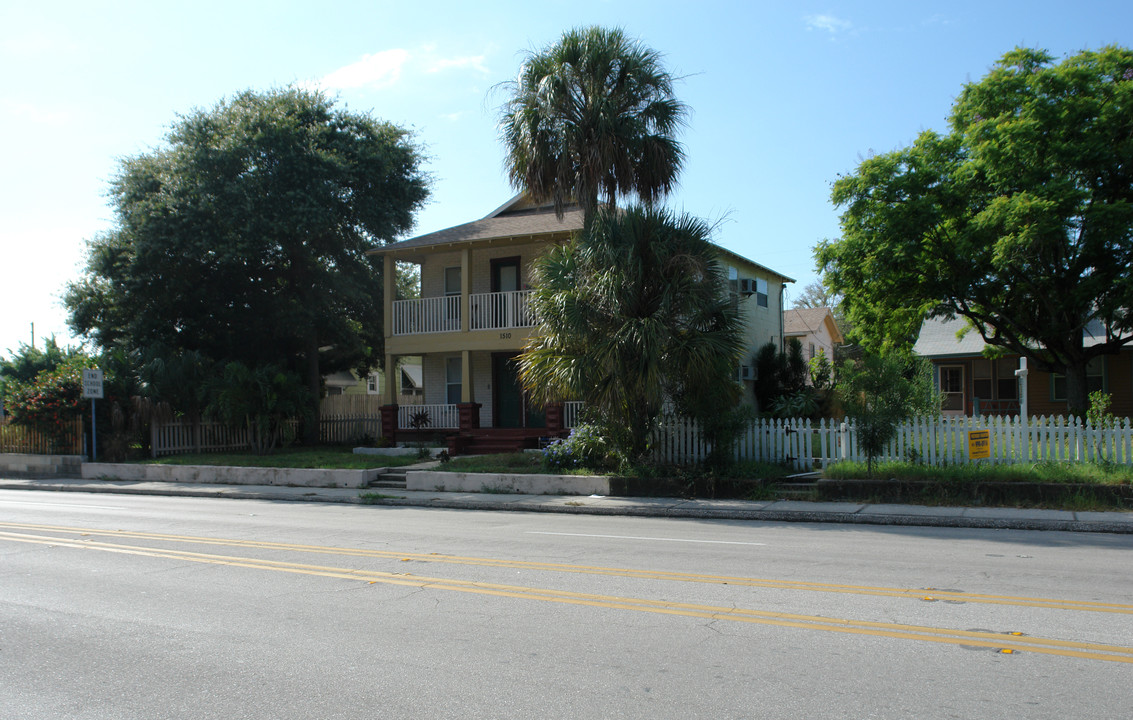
(761,292)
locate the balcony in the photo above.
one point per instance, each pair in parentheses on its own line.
(489,311)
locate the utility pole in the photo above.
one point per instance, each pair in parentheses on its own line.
(33,336)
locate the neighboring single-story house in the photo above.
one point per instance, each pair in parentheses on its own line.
(410,390)
(972,384)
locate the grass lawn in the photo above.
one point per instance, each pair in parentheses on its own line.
(327,456)
(1042,472)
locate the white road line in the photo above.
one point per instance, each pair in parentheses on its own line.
(68,505)
(632,537)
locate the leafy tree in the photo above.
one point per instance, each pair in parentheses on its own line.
(815,295)
(634,311)
(27,362)
(591,118)
(244,238)
(262,399)
(781,381)
(1020,219)
(880,391)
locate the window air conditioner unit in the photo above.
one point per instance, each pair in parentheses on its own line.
(747,286)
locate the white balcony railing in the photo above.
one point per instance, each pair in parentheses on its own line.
(440,416)
(426,315)
(571,410)
(493,311)
(490,311)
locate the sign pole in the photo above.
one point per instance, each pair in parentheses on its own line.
(92,388)
(93,434)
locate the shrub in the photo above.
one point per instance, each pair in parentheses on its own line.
(51,401)
(586,447)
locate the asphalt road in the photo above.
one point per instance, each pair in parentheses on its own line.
(118,606)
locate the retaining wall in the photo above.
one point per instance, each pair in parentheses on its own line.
(22,465)
(227,475)
(431,480)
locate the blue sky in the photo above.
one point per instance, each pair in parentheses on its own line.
(784,97)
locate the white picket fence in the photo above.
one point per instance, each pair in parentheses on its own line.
(804,444)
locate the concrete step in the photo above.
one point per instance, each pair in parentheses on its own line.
(391,478)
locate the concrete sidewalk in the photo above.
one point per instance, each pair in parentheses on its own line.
(771,510)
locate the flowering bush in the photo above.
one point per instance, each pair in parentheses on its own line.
(49,402)
(586,447)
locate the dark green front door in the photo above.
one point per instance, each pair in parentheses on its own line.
(511,408)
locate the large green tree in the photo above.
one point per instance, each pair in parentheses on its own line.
(592,118)
(244,236)
(634,311)
(1020,219)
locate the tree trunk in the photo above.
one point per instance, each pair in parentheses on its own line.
(1077,393)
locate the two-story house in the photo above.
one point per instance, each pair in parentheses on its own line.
(473,319)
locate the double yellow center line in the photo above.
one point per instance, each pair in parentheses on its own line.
(81,538)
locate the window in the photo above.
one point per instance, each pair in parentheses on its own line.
(1095,379)
(952,388)
(452,280)
(373,387)
(761,292)
(453,371)
(452,295)
(981,379)
(1006,384)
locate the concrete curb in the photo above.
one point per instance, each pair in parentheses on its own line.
(787,511)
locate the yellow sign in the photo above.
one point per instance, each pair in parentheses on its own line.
(979,444)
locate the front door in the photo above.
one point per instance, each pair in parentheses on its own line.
(505,279)
(952,389)
(511,408)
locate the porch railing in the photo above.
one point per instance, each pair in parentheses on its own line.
(571,409)
(426,315)
(499,310)
(440,416)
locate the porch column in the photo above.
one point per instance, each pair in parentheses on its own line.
(468,408)
(389,398)
(465,296)
(556,418)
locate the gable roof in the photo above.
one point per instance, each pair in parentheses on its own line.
(516,218)
(938,338)
(802,321)
(520,219)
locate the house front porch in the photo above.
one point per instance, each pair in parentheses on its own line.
(475,400)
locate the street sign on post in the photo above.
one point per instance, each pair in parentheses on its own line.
(92,384)
(92,388)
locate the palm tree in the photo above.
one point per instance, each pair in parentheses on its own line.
(593,117)
(631,313)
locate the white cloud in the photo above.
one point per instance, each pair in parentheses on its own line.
(380,70)
(35,114)
(829,23)
(453,117)
(476,62)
